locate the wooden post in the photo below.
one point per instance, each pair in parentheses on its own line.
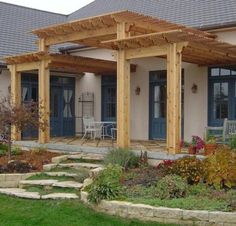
(44,101)
(174,59)
(42,46)
(123,92)
(15,97)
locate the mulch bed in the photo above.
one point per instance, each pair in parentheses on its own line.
(26,161)
(142,176)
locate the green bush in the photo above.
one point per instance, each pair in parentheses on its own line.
(232,143)
(199,189)
(122,157)
(189,168)
(15,150)
(220,169)
(171,186)
(106,185)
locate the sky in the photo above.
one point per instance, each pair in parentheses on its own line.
(57,6)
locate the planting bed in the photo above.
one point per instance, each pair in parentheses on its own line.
(26,161)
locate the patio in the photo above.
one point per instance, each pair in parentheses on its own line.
(154,146)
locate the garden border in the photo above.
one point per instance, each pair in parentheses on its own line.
(162,214)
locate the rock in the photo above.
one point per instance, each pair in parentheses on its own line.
(84,196)
(87,182)
(95,172)
(162,212)
(49,167)
(58,159)
(68,184)
(195,215)
(79,165)
(38,182)
(60,196)
(60,174)
(28,195)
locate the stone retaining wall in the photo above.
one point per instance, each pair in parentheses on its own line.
(163,214)
(12,180)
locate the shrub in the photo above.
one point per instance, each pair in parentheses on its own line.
(200,189)
(122,157)
(220,169)
(171,186)
(189,168)
(232,143)
(106,185)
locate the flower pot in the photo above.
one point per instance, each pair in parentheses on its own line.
(210,149)
(192,150)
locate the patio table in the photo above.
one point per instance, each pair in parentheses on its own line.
(105,128)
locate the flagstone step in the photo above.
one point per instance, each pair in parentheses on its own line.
(60,174)
(79,165)
(68,184)
(51,183)
(22,193)
(86,157)
(37,182)
(60,196)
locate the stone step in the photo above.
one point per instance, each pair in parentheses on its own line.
(51,183)
(60,196)
(79,165)
(60,174)
(86,157)
(37,182)
(68,184)
(22,193)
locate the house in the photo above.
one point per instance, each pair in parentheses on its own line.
(157,96)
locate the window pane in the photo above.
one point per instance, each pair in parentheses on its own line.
(215,72)
(224,72)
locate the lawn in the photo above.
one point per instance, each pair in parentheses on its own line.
(20,212)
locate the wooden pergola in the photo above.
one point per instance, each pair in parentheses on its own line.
(133,36)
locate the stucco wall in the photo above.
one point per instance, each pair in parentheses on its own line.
(195,105)
(4,82)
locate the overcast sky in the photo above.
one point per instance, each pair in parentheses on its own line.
(57,6)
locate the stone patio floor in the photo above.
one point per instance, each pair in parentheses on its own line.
(152,145)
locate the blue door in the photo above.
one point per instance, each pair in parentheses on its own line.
(62,104)
(56,111)
(222,95)
(158,108)
(158,104)
(29,92)
(62,101)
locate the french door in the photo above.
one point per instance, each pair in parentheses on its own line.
(222,95)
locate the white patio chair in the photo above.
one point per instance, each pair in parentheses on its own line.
(224,132)
(91,127)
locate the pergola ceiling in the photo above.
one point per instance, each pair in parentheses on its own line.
(203,48)
(68,63)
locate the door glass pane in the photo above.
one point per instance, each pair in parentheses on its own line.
(110,105)
(67,112)
(160,101)
(224,72)
(220,107)
(55,107)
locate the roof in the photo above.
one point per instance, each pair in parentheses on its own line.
(192,13)
(16,25)
(17,22)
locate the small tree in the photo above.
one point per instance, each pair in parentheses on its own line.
(21,117)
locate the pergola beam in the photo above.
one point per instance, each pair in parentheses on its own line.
(76,36)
